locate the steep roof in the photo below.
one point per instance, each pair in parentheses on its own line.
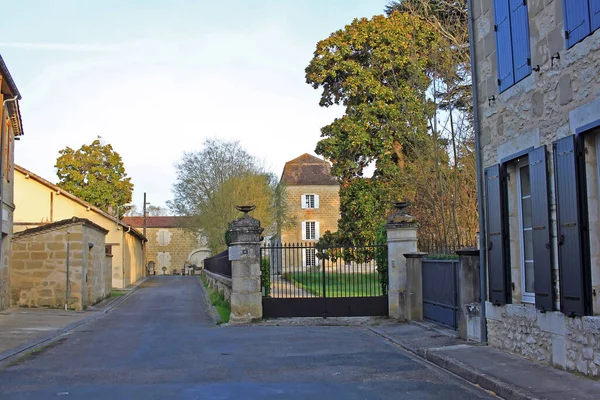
(166,221)
(39,179)
(13,106)
(307,170)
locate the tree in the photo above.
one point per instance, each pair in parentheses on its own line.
(211,182)
(155,211)
(96,174)
(380,70)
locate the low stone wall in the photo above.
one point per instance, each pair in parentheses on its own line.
(218,282)
(549,338)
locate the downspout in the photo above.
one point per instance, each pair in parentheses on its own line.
(478,161)
(3,122)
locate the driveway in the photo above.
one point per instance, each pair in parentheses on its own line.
(161,344)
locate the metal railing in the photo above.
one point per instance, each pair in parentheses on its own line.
(219,264)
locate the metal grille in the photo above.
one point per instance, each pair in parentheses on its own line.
(440,292)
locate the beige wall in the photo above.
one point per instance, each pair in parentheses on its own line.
(38,275)
(37,204)
(553,103)
(177,246)
(327,214)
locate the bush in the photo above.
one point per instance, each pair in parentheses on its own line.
(265,275)
(381,258)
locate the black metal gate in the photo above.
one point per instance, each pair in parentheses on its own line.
(301,280)
(440,292)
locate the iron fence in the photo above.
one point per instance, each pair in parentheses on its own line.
(219,264)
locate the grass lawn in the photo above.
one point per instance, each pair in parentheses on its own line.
(218,300)
(118,293)
(338,285)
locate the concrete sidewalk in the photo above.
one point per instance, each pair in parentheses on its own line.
(509,376)
(24,329)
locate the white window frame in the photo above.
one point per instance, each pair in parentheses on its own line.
(526,297)
(306,258)
(304,200)
(315,231)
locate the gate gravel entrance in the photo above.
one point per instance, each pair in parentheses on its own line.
(440,292)
(302,280)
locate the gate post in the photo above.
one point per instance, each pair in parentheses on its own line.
(469,295)
(414,286)
(401,239)
(244,254)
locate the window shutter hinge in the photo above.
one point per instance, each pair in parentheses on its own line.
(524,2)
(499,82)
(495,28)
(567,35)
(529,61)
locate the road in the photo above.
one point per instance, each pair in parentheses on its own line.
(161,344)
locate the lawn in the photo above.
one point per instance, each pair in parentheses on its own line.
(118,293)
(218,300)
(337,284)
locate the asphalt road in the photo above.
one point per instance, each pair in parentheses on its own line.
(161,344)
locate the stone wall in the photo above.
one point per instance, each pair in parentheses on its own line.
(549,338)
(39,259)
(327,214)
(5,273)
(176,245)
(220,283)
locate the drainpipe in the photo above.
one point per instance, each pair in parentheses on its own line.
(2,124)
(478,161)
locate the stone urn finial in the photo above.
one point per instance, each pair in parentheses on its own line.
(401,217)
(245,209)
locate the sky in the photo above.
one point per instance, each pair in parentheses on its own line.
(154,78)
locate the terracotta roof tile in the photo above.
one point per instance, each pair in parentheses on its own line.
(166,221)
(307,170)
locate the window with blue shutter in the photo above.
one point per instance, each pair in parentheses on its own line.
(577,19)
(595,14)
(512,42)
(506,77)
(519,21)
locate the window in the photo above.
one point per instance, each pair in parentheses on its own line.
(525,231)
(512,42)
(163,237)
(310,230)
(310,259)
(582,17)
(310,201)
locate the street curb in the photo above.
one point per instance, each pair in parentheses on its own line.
(212,310)
(500,388)
(8,355)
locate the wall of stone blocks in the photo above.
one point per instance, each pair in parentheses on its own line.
(327,214)
(5,273)
(179,246)
(220,283)
(39,273)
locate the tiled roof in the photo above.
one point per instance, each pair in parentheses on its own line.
(58,224)
(166,221)
(307,170)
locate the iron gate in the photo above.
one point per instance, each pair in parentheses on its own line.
(440,291)
(302,280)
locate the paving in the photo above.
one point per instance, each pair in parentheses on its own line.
(161,343)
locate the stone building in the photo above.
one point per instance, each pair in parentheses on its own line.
(170,244)
(538,111)
(39,202)
(11,130)
(313,202)
(61,263)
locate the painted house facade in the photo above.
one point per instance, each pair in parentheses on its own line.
(537,85)
(11,130)
(170,244)
(39,202)
(313,200)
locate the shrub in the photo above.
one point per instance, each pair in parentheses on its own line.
(265,275)
(381,258)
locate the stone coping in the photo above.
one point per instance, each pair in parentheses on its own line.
(418,254)
(223,279)
(468,251)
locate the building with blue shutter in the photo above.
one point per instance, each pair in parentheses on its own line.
(537,91)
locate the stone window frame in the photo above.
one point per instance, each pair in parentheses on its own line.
(526,296)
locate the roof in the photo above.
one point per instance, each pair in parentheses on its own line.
(59,224)
(166,221)
(13,106)
(76,199)
(307,170)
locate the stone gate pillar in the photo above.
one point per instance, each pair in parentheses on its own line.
(469,295)
(244,254)
(401,239)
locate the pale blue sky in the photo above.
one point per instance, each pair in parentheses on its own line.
(156,77)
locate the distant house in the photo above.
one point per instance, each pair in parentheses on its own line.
(39,202)
(170,244)
(11,129)
(538,87)
(313,199)
(61,264)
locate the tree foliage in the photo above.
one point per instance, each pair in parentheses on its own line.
(96,174)
(403,80)
(211,182)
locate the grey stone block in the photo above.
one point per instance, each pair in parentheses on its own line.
(564,89)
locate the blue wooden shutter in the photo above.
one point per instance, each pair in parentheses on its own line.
(595,14)
(571,250)
(542,259)
(495,246)
(577,20)
(504,55)
(519,27)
